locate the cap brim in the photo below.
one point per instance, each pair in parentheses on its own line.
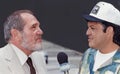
(91,18)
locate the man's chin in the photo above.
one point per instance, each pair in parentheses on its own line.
(91,46)
(38,47)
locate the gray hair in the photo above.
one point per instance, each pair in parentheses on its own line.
(14,21)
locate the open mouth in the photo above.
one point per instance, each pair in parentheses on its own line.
(89,39)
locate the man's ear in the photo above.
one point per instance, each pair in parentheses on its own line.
(110,30)
(14,33)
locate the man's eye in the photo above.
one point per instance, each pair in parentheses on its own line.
(33,26)
(92,27)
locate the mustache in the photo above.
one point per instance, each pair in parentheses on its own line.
(38,37)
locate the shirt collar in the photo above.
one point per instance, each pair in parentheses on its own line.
(116,57)
(20,54)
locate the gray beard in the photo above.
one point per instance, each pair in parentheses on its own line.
(37,47)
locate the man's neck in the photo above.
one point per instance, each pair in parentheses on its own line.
(109,48)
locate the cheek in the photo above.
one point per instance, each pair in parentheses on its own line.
(29,37)
(99,39)
(95,39)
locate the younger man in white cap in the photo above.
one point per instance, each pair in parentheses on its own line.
(103,56)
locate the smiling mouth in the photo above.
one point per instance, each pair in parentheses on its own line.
(89,39)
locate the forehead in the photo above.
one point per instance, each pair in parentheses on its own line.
(29,18)
(90,23)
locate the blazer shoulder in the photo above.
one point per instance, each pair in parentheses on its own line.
(6,52)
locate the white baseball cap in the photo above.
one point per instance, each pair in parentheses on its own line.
(104,11)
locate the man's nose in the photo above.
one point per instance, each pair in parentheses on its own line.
(88,32)
(39,31)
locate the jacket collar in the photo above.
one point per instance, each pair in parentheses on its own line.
(114,59)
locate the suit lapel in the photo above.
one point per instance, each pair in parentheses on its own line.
(13,61)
